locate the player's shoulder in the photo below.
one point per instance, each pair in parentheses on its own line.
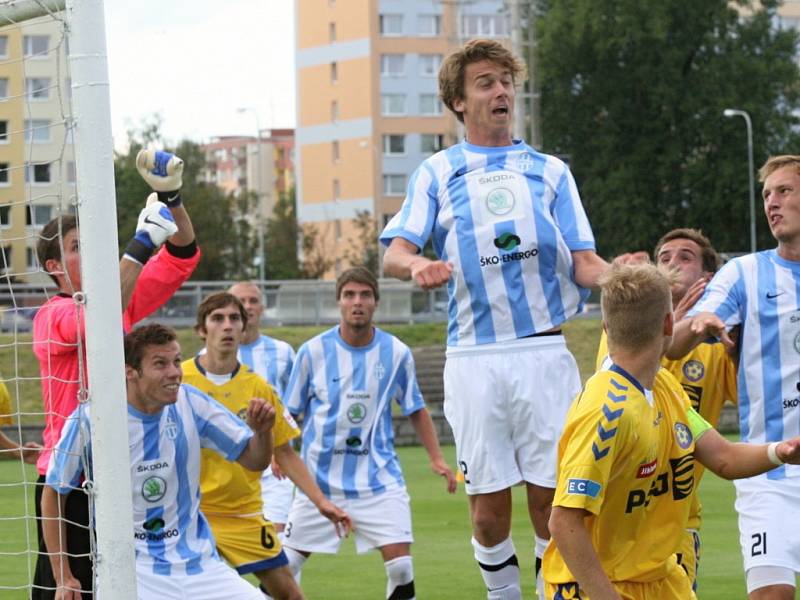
(607,390)
(190,369)
(383,336)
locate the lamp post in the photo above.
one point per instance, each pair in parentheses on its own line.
(734,112)
(259,196)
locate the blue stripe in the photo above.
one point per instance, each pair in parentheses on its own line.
(620,371)
(598,454)
(350,466)
(151,451)
(515,289)
(618,385)
(65,462)
(184,497)
(612,415)
(388,360)
(279,560)
(604,434)
(328,440)
(615,398)
(271,359)
(246,356)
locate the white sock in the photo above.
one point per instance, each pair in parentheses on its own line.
(499,569)
(541,545)
(400,578)
(296,562)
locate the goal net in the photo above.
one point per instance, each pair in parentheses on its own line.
(56,158)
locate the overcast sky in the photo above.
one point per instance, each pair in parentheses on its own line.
(196,62)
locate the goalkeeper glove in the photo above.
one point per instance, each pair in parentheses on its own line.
(155,225)
(163,171)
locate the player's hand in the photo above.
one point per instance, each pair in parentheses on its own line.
(440,467)
(276,469)
(260,415)
(30,452)
(340,519)
(789,451)
(163,171)
(429,274)
(632,258)
(690,298)
(155,225)
(708,324)
(69,588)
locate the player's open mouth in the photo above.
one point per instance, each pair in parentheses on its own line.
(172,387)
(500,110)
(774,219)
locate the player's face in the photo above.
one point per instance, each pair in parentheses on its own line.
(156,383)
(488,103)
(250,296)
(223,329)
(69,267)
(782,204)
(684,257)
(357,304)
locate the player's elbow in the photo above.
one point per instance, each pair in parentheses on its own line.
(559,525)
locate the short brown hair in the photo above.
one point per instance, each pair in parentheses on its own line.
(451,73)
(634,299)
(137,341)
(778,162)
(50,240)
(711,260)
(357,275)
(214,301)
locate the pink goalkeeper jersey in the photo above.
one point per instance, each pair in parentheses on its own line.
(58,334)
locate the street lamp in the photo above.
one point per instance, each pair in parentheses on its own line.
(259,196)
(734,112)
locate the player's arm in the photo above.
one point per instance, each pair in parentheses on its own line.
(688,333)
(29,450)
(736,460)
(568,530)
(426,432)
(54,531)
(295,469)
(258,451)
(403,261)
(588,267)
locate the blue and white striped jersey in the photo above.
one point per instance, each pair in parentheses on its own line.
(270,358)
(762,293)
(344,394)
(508,218)
(172,535)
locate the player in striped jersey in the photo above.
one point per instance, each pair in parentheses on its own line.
(517,255)
(168,424)
(343,384)
(761,292)
(272,359)
(626,458)
(707,374)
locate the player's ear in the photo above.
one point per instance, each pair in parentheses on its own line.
(53,265)
(130,373)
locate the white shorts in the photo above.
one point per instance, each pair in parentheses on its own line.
(769,522)
(377,521)
(276,495)
(506,404)
(216,581)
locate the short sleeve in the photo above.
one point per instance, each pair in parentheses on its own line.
(414,222)
(219,429)
(297,391)
(724,296)
(408,396)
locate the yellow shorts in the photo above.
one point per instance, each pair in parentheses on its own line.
(249,544)
(674,586)
(689,555)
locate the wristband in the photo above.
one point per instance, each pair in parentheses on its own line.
(772,454)
(138,252)
(171,199)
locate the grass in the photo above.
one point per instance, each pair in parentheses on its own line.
(443,563)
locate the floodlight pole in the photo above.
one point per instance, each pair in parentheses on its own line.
(260,194)
(735,112)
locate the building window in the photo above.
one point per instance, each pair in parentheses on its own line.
(334,111)
(393,65)
(37,173)
(429,104)
(335,151)
(5,174)
(429,25)
(30,258)
(334,72)
(393,105)
(5,216)
(332,32)
(72,176)
(394,145)
(38,215)
(391,25)
(5,258)
(394,184)
(336,190)
(3,88)
(3,132)
(37,88)
(35,45)
(484,26)
(429,64)
(3,46)
(37,131)
(430,143)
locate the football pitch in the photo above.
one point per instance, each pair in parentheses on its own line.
(443,563)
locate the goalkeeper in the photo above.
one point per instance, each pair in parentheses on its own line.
(160,257)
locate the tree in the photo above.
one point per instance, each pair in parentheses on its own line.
(633,93)
(281,239)
(317,252)
(363,248)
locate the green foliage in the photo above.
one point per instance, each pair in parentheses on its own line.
(281,240)
(363,248)
(633,94)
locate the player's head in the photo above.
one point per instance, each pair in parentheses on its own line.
(637,306)
(781,178)
(249,294)
(477,83)
(221,321)
(690,255)
(152,366)
(59,252)
(357,294)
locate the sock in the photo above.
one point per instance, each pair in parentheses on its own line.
(400,578)
(499,569)
(541,544)
(296,562)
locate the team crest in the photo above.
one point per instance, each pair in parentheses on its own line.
(683,435)
(500,201)
(242,414)
(170,428)
(694,370)
(356,413)
(567,591)
(154,488)
(524,162)
(379,370)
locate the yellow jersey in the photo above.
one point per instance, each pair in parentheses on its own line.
(227,488)
(708,375)
(626,457)
(5,405)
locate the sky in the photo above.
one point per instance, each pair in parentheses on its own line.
(195,63)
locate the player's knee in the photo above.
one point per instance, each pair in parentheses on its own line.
(490,527)
(400,578)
